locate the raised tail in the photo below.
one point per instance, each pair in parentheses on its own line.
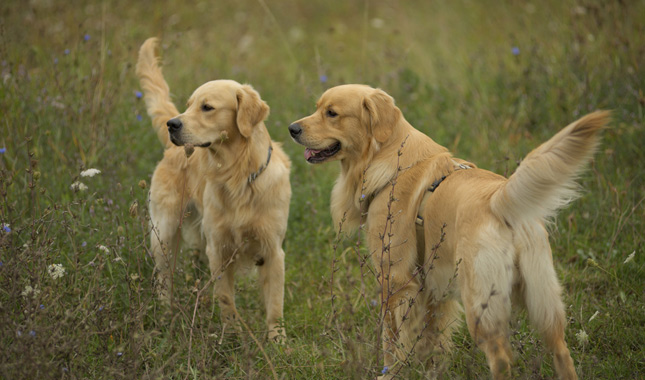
(545,180)
(155,90)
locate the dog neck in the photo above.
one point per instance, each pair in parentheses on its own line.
(381,163)
(239,161)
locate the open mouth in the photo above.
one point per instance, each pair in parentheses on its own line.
(315,156)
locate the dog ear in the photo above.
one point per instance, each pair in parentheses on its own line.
(383,114)
(251,109)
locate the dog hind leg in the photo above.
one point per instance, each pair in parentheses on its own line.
(486,294)
(542,296)
(163,242)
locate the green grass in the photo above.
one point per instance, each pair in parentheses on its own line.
(67,100)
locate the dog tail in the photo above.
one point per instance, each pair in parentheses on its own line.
(155,90)
(545,180)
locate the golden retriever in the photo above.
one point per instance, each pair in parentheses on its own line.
(440,229)
(229,198)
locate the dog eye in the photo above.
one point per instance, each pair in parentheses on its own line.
(331,113)
(206,108)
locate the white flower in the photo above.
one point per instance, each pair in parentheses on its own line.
(377,23)
(629,258)
(105,249)
(56,270)
(78,186)
(30,291)
(594,316)
(90,172)
(582,336)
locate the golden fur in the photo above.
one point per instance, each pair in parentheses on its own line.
(483,238)
(237,219)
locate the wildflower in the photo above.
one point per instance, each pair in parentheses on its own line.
(78,186)
(594,316)
(119,354)
(100,308)
(323,78)
(30,291)
(385,369)
(134,209)
(66,52)
(19,333)
(629,258)
(373,303)
(139,117)
(143,184)
(138,94)
(55,61)
(42,307)
(86,37)
(515,50)
(32,333)
(582,337)
(377,23)
(105,249)
(84,244)
(56,271)
(3,149)
(6,227)
(90,172)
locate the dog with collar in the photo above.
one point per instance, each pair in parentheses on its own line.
(222,187)
(440,230)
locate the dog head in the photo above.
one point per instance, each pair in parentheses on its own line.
(349,119)
(218,111)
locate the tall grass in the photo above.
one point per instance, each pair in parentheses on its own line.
(488,80)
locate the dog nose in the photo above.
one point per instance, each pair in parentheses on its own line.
(174,125)
(295,130)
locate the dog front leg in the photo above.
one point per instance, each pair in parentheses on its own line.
(271,281)
(223,272)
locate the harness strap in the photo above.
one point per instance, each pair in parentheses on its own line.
(435,184)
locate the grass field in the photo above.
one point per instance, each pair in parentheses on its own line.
(490,80)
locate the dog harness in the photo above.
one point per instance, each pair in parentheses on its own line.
(436,184)
(255,175)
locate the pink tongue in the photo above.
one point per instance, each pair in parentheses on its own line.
(310,152)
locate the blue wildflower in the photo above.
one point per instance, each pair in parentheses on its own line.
(138,94)
(384,371)
(2,150)
(515,50)
(323,78)
(66,52)
(100,308)
(55,61)
(42,307)
(119,353)
(86,37)
(139,117)
(32,333)
(83,244)
(6,228)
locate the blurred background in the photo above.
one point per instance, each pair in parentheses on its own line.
(490,80)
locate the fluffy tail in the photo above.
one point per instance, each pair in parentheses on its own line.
(155,90)
(545,180)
